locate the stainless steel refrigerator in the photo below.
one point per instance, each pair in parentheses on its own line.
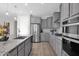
(35,28)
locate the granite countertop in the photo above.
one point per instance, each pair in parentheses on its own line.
(8,45)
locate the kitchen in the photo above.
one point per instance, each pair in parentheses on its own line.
(39,29)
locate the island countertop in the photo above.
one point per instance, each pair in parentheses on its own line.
(10,44)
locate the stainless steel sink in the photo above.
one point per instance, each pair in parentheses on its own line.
(20,37)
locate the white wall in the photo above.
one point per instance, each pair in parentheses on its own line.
(23,25)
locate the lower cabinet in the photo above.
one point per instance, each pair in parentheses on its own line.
(28,47)
(45,37)
(52,42)
(13,52)
(56,44)
(23,49)
(21,52)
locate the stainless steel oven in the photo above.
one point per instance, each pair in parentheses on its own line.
(71,48)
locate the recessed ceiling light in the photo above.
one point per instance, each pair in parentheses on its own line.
(42,3)
(15,18)
(7,13)
(15,6)
(26,4)
(31,11)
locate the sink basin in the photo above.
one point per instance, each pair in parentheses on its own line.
(20,37)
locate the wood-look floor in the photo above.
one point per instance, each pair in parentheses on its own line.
(42,49)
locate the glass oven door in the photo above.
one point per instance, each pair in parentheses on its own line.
(71,48)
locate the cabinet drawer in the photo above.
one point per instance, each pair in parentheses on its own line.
(20,46)
(27,41)
(21,52)
(13,52)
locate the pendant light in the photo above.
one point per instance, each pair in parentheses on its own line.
(6,13)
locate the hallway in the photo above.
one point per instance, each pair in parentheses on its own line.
(42,49)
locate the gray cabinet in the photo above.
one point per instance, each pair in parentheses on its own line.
(49,23)
(45,37)
(20,46)
(58,46)
(21,52)
(42,37)
(52,42)
(12,52)
(23,49)
(64,10)
(44,23)
(28,46)
(74,8)
(56,18)
(35,19)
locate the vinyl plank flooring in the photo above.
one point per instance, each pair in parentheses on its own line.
(42,49)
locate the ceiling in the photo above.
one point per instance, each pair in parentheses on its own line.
(37,9)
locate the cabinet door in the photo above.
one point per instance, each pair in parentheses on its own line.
(13,52)
(58,46)
(44,23)
(21,52)
(21,46)
(42,37)
(74,8)
(64,10)
(35,19)
(53,42)
(28,47)
(49,22)
(47,37)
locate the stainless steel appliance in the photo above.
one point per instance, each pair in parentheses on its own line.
(71,48)
(35,28)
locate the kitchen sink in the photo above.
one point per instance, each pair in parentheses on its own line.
(20,37)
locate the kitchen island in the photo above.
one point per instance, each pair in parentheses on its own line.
(16,47)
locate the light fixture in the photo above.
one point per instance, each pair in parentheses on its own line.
(15,18)
(6,13)
(26,4)
(31,11)
(42,3)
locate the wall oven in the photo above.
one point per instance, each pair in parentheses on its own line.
(71,48)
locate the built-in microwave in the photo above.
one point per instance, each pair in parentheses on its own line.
(71,48)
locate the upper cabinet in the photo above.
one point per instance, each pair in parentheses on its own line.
(65,10)
(44,23)
(35,19)
(49,22)
(56,20)
(74,8)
